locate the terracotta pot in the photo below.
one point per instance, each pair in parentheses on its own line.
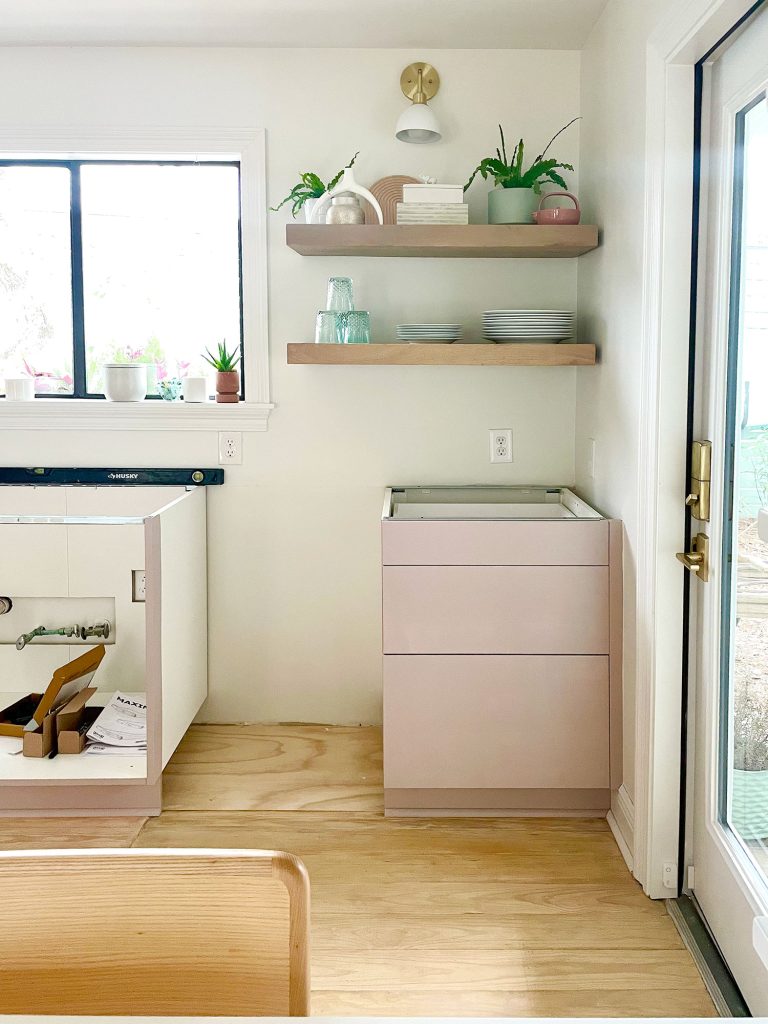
(228,386)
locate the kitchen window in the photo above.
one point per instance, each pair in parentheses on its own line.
(117,261)
(194,299)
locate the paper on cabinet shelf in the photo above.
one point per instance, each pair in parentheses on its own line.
(122,724)
(105,748)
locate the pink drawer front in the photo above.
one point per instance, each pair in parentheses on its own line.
(564,542)
(496,610)
(496,723)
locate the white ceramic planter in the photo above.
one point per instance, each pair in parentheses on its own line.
(749,808)
(309,208)
(125,382)
(19,389)
(195,389)
(512,205)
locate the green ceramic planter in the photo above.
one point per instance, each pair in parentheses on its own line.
(512,205)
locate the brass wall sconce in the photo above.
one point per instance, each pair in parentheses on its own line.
(419,83)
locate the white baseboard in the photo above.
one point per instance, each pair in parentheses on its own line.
(621,820)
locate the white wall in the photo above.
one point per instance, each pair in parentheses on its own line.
(611,166)
(294,533)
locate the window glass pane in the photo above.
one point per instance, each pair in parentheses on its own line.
(746,593)
(36,276)
(161,265)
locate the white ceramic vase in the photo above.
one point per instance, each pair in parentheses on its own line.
(125,382)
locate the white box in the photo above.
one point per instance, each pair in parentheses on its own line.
(433,194)
(432,213)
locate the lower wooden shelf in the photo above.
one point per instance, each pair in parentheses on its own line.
(442,355)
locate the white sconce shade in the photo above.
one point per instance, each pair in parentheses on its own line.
(418,124)
(419,83)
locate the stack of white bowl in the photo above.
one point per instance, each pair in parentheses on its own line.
(531,325)
(429,334)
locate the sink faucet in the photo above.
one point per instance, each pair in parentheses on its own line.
(27,638)
(98,629)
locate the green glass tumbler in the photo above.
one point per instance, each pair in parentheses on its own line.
(340,296)
(358,328)
(330,327)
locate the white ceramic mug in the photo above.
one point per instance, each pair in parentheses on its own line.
(195,389)
(19,389)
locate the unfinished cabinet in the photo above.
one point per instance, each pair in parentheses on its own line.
(136,557)
(502,652)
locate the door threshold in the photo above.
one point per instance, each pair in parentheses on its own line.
(699,942)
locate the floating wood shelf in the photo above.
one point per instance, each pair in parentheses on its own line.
(442,240)
(442,355)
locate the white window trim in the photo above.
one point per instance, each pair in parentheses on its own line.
(247,145)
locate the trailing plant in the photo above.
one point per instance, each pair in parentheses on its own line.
(224,361)
(311,186)
(510,174)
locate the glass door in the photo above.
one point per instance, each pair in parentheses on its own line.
(729,553)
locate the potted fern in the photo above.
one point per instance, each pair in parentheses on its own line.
(305,194)
(517,191)
(227,377)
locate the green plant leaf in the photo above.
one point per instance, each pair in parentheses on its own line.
(557,179)
(337,178)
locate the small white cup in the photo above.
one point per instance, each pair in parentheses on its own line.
(19,389)
(195,389)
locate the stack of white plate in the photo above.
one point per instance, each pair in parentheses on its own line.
(425,334)
(536,325)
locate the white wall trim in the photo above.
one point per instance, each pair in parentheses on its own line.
(672,52)
(247,145)
(621,820)
(91,414)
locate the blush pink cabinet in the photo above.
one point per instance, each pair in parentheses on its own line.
(502,652)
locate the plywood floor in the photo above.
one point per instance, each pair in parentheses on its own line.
(441,917)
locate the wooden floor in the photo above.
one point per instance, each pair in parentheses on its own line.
(453,917)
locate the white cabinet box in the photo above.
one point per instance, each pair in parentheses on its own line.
(502,651)
(81,553)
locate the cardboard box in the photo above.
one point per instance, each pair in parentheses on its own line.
(63,731)
(42,741)
(65,683)
(74,721)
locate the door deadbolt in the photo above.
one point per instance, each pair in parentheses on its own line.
(701,476)
(697,559)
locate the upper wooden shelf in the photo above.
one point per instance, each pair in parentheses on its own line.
(443,240)
(443,355)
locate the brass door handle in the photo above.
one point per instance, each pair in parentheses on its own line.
(691,560)
(697,560)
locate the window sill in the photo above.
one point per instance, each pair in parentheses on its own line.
(85,414)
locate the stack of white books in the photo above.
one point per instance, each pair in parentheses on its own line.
(433,204)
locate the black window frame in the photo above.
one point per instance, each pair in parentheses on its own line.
(79,375)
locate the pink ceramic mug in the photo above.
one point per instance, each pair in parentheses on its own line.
(559,214)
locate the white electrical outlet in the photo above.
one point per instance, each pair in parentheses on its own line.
(501,444)
(139,594)
(230,449)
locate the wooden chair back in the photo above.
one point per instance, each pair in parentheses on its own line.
(154,932)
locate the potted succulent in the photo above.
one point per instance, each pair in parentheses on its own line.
(227,377)
(749,804)
(517,191)
(305,194)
